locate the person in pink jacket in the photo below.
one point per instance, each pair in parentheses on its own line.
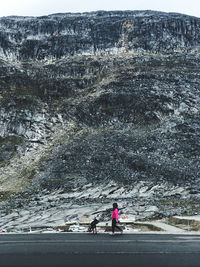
(115,218)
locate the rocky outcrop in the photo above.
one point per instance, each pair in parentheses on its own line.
(61,35)
(100,100)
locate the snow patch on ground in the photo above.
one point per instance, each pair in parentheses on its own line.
(57,208)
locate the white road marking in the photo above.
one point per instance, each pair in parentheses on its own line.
(189,237)
(100,241)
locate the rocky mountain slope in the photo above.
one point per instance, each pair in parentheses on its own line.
(95,108)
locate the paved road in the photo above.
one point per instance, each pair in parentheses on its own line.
(85,250)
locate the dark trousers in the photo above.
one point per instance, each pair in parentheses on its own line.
(114,225)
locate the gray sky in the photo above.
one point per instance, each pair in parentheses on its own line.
(46,7)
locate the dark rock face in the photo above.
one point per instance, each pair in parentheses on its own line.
(61,35)
(101,97)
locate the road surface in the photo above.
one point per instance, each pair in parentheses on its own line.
(85,250)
